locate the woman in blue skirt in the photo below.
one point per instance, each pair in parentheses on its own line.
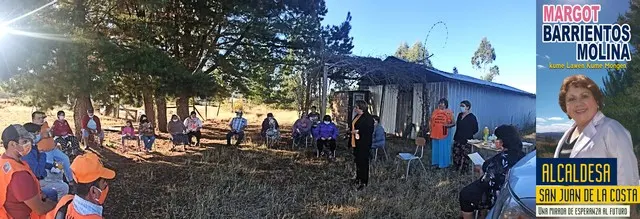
(441,122)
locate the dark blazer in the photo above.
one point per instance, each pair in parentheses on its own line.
(366,128)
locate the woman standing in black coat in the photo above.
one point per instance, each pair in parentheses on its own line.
(361,139)
(467,127)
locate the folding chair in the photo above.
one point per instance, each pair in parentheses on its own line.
(375,151)
(271,138)
(272,142)
(175,143)
(305,139)
(68,149)
(420,142)
(136,139)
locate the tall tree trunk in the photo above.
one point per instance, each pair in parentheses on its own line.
(147,97)
(161,107)
(182,106)
(83,98)
(307,92)
(82,103)
(108,108)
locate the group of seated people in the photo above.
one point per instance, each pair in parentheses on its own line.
(32,177)
(61,133)
(304,126)
(182,132)
(326,132)
(55,146)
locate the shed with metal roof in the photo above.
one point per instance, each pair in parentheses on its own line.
(404,94)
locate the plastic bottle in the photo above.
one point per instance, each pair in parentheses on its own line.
(486,134)
(493,135)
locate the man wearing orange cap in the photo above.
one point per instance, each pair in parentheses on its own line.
(91,189)
(20,195)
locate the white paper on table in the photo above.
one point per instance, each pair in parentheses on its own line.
(476,158)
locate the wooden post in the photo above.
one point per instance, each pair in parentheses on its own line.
(219,105)
(117,114)
(206,107)
(325,83)
(194,104)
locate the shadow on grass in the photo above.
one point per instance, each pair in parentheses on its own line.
(219,181)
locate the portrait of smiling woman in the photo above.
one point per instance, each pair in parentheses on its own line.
(593,135)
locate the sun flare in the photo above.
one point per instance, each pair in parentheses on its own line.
(4,30)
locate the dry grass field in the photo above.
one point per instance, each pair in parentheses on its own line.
(251,181)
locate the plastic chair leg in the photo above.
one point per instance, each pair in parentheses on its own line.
(385,153)
(422,164)
(375,156)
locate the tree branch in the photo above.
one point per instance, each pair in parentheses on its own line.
(236,44)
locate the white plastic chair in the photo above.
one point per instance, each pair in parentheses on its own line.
(420,142)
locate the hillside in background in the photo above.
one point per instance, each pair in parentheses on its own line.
(546,143)
(553,135)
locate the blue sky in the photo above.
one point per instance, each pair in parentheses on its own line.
(550,117)
(378,28)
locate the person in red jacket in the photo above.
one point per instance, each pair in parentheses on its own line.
(64,135)
(91,124)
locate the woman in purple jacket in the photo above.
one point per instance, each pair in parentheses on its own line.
(326,134)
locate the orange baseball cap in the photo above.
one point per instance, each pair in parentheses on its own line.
(88,168)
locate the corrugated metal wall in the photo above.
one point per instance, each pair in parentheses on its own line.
(417,108)
(403,109)
(376,96)
(492,107)
(437,90)
(388,117)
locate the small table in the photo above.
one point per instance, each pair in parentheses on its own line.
(485,150)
